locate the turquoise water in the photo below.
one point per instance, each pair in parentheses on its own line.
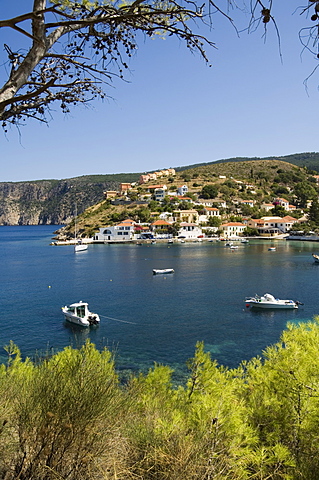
(154,318)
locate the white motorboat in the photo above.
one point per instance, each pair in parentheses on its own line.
(80,314)
(162,271)
(269,301)
(272,249)
(315,257)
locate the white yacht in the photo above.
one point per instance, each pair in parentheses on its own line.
(80,314)
(269,301)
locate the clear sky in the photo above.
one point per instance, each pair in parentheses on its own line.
(175,110)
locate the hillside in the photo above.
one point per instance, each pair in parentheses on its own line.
(267,179)
(307,159)
(53,201)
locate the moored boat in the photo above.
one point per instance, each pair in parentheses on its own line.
(269,301)
(157,271)
(315,257)
(80,247)
(80,314)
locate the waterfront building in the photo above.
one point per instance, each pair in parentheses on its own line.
(190,230)
(232,229)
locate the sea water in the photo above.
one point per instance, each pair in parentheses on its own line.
(146,318)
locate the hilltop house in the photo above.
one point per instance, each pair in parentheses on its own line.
(182,190)
(267,206)
(124,187)
(284,203)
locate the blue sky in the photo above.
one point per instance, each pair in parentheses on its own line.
(175,110)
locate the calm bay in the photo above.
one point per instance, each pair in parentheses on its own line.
(146,318)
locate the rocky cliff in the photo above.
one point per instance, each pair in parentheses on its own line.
(53,201)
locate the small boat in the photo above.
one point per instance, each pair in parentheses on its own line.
(229,244)
(80,314)
(269,301)
(272,249)
(80,247)
(316,258)
(233,247)
(162,271)
(244,240)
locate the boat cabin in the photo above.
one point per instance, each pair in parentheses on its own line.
(79,309)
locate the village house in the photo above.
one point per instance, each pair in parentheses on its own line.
(267,206)
(152,188)
(211,212)
(272,225)
(189,231)
(143,179)
(160,193)
(184,199)
(182,190)
(249,203)
(159,227)
(232,229)
(188,216)
(209,202)
(124,187)
(282,202)
(110,194)
(122,232)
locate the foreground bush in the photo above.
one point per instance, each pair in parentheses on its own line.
(69,417)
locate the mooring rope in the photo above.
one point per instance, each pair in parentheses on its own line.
(118,320)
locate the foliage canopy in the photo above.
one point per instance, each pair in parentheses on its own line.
(69,416)
(70,50)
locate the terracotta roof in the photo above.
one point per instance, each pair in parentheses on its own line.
(233,224)
(160,222)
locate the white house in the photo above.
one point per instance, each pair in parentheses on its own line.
(122,232)
(232,229)
(272,225)
(249,203)
(267,206)
(209,202)
(160,193)
(182,190)
(189,230)
(211,212)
